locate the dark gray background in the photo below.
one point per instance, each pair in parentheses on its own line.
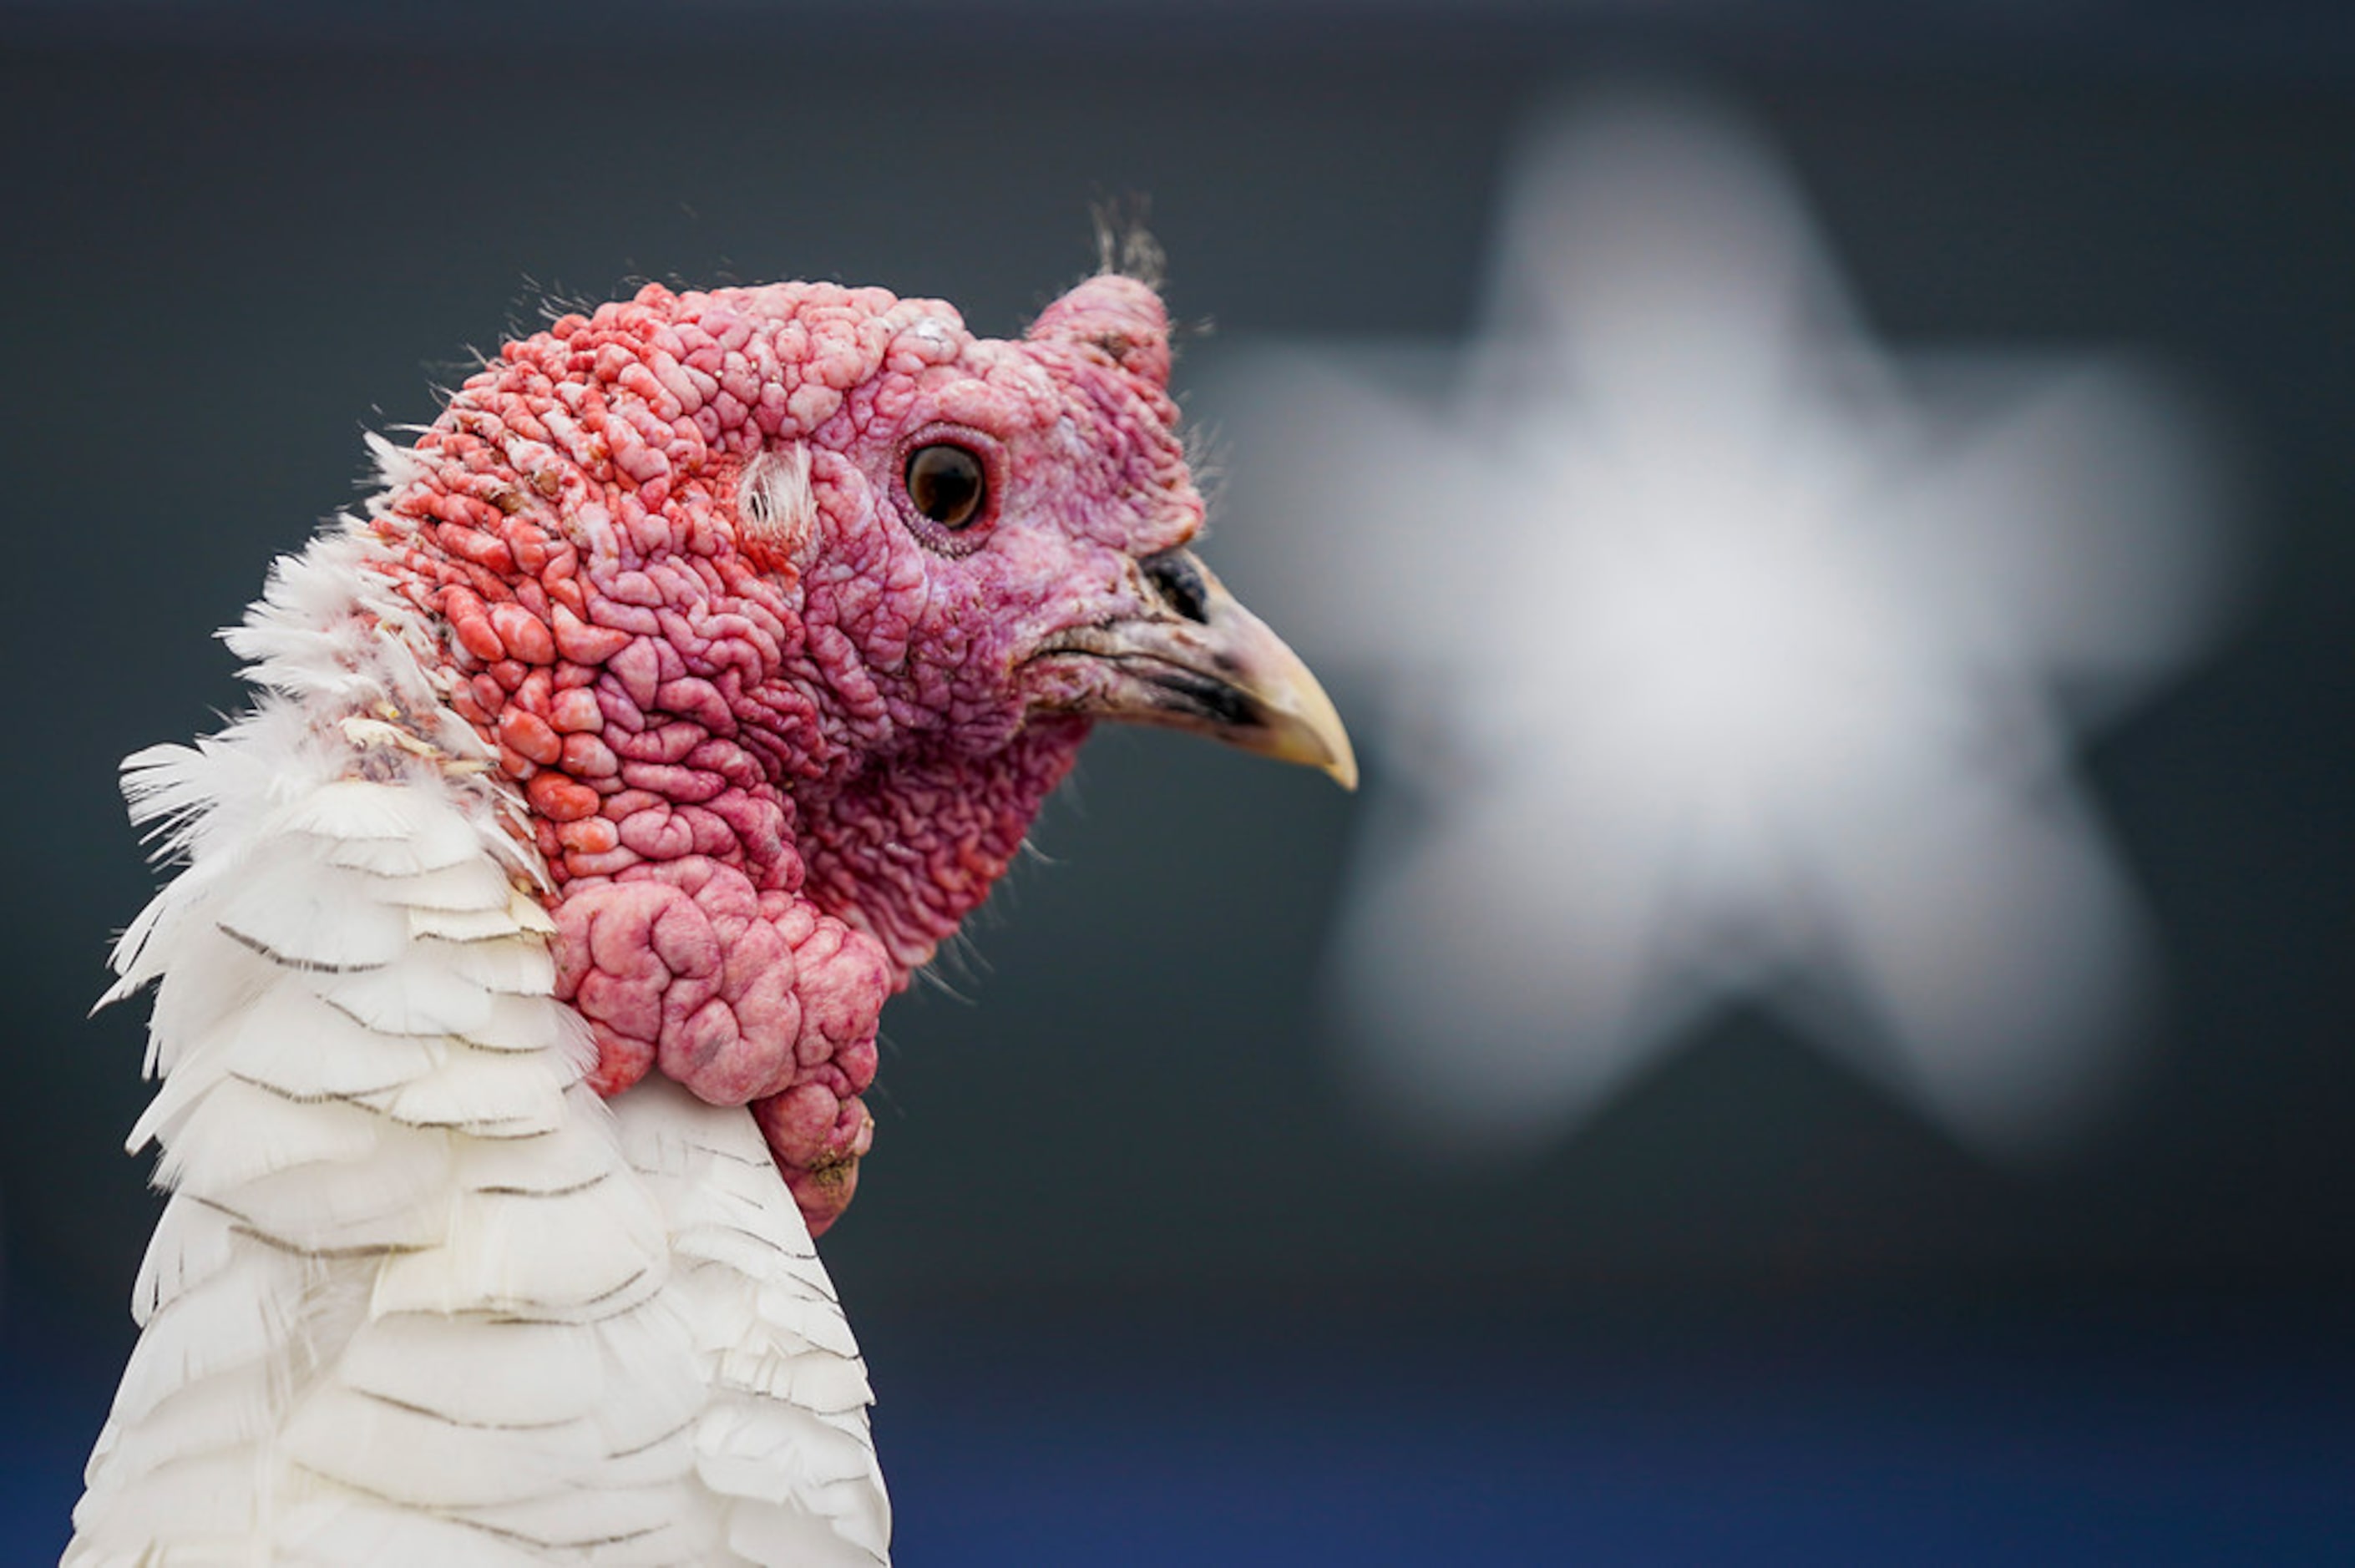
(1117,1213)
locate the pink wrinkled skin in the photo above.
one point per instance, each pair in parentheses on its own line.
(774,727)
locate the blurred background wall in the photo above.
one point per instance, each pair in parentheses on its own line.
(1142,1276)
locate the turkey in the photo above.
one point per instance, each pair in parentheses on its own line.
(680,689)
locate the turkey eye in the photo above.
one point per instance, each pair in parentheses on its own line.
(947,485)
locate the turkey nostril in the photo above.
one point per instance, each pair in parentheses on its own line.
(1178,581)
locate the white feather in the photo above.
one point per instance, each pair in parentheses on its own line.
(462,924)
(246,1133)
(512,1024)
(338,1530)
(414,995)
(489,1093)
(201,1333)
(192,1244)
(572,1158)
(203,1503)
(524,967)
(806,1489)
(534,1255)
(485,1369)
(389,832)
(471,887)
(313,916)
(289,1040)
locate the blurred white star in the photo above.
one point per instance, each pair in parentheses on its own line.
(1715,655)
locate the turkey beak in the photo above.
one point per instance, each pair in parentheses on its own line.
(1203,663)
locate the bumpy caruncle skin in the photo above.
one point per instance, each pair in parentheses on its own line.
(774,726)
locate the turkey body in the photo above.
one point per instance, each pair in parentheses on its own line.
(417,1295)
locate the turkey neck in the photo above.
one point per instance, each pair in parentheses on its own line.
(907,847)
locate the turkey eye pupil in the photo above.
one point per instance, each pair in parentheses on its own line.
(946,484)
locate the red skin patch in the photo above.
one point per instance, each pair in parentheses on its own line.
(771,761)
